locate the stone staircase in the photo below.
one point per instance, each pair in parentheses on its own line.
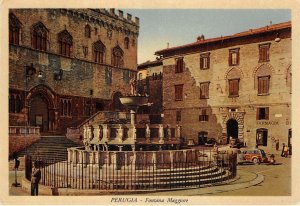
(50,148)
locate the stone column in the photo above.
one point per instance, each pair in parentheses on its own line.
(147,133)
(161,133)
(184,155)
(133,130)
(70,155)
(132,117)
(74,159)
(96,133)
(105,133)
(120,133)
(80,157)
(172,159)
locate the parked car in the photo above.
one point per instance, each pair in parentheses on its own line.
(255,156)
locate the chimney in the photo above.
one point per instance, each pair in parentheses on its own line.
(112,11)
(201,38)
(129,17)
(137,20)
(168,45)
(121,13)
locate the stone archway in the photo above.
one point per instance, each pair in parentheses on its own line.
(239,118)
(41,109)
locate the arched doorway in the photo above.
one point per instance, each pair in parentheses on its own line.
(39,113)
(232,129)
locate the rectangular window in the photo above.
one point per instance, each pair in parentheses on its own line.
(264,54)
(263,85)
(178,116)
(179,92)
(204,61)
(179,65)
(262,113)
(203,117)
(204,90)
(233,87)
(234,57)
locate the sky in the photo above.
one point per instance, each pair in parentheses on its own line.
(182,26)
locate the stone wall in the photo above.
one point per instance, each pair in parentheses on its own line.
(219,103)
(86,84)
(20,142)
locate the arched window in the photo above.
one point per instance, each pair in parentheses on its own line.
(117,57)
(263,80)
(233,77)
(39,36)
(99,52)
(65,107)
(65,41)
(126,42)
(14,29)
(18,104)
(87,31)
(11,104)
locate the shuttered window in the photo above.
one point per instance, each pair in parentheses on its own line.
(233,87)
(234,57)
(178,116)
(204,90)
(262,113)
(203,117)
(179,92)
(264,54)
(263,85)
(205,61)
(179,65)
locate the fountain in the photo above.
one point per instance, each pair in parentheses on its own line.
(135,156)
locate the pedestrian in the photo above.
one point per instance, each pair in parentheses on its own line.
(286,151)
(35,179)
(216,149)
(277,144)
(282,151)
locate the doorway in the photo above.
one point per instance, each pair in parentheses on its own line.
(39,113)
(202,138)
(262,137)
(232,129)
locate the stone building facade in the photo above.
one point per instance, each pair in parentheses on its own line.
(67,64)
(236,86)
(150,81)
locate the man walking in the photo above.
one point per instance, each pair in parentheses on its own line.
(35,179)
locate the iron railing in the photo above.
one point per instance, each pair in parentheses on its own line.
(116,174)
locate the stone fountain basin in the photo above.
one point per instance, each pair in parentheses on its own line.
(134,100)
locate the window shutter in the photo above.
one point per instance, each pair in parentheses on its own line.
(201,62)
(176,65)
(257,113)
(267,113)
(238,57)
(230,58)
(208,62)
(259,85)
